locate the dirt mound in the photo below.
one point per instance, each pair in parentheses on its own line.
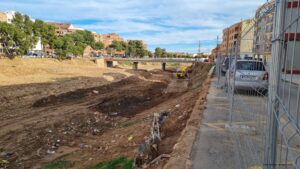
(80,94)
(143,73)
(198,74)
(127,105)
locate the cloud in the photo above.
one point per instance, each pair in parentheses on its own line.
(158,22)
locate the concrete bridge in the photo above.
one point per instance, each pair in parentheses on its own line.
(109,61)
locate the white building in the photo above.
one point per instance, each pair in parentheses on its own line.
(10,16)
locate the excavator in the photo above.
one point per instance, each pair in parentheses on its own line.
(182,72)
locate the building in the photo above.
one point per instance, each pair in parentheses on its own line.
(230,45)
(61,29)
(291,59)
(6,17)
(238,39)
(247,37)
(37,49)
(107,39)
(262,42)
(215,53)
(3,17)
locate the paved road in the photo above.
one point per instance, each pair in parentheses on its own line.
(240,146)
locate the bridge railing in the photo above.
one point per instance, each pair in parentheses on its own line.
(187,60)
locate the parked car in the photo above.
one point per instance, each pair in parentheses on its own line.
(227,61)
(250,75)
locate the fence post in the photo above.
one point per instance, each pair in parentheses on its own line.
(275,68)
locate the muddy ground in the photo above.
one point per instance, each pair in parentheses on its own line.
(89,120)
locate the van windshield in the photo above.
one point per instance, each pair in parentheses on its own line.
(256,66)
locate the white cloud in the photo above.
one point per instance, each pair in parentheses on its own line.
(171,21)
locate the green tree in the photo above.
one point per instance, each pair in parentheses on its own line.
(159,52)
(136,48)
(118,45)
(97,45)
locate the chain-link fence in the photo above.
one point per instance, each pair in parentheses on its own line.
(265,100)
(283,137)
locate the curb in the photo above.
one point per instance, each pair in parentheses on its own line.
(211,71)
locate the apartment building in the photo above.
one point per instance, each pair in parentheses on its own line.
(247,37)
(62,29)
(230,45)
(107,39)
(238,39)
(262,43)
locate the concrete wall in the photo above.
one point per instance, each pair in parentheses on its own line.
(102,63)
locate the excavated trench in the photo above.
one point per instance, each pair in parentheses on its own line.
(74,117)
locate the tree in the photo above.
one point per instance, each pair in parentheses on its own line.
(159,52)
(75,43)
(97,45)
(118,45)
(135,48)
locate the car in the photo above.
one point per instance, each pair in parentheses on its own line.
(250,75)
(226,63)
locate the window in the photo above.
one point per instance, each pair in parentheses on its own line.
(246,65)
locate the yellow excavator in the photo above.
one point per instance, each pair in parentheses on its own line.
(182,72)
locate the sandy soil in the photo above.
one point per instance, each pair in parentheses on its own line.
(76,114)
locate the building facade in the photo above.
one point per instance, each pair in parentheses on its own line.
(107,39)
(61,29)
(6,17)
(3,17)
(262,43)
(247,37)
(238,39)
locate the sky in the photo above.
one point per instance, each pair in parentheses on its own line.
(177,25)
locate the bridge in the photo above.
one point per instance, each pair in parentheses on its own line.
(135,61)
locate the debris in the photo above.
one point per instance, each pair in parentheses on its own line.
(160,157)
(6,154)
(95,92)
(130,138)
(113,113)
(177,106)
(162,116)
(51,152)
(38,152)
(4,162)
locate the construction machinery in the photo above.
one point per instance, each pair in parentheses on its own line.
(182,72)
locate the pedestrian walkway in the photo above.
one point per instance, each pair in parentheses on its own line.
(289,78)
(219,147)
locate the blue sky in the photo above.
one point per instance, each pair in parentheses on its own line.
(176,25)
